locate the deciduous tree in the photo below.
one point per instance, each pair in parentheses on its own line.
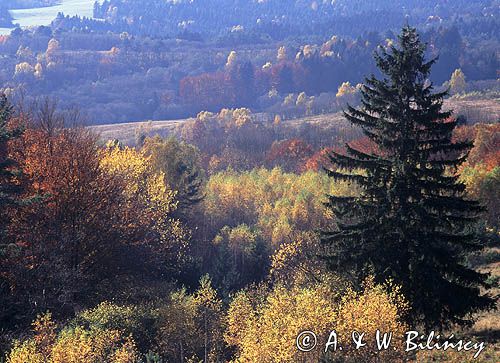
(457,81)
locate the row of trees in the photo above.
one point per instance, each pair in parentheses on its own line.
(239,139)
(95,66)
(317,69)
(259,325)
(255,22)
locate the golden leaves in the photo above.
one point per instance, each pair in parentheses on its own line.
(73,345)
(265,331)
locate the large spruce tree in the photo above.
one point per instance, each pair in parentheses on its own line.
(411,222)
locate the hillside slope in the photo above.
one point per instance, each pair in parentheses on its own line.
(475,110)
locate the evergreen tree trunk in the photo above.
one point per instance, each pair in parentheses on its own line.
(411,222)
(10,199)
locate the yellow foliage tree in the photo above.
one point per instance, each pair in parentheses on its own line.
(209,319)
(149,201)
(73,345)
(266,332)
(232,59)
(457,81)
(265,329)
(278,203)
(295,264)
(377,307)
(282,54)
(177,336)
(346,90)
(191,326)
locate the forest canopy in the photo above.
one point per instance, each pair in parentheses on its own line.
(223,181)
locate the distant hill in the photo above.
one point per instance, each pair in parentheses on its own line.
(300,17)
(28,4)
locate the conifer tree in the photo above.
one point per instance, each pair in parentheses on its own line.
(10,198)
(411,222)
(9,188)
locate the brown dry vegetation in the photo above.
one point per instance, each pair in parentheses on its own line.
(126,132)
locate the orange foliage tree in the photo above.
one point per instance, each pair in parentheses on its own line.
(69,241)
(291,155)
(96,228)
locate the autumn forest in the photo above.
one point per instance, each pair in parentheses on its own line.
(174,188)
